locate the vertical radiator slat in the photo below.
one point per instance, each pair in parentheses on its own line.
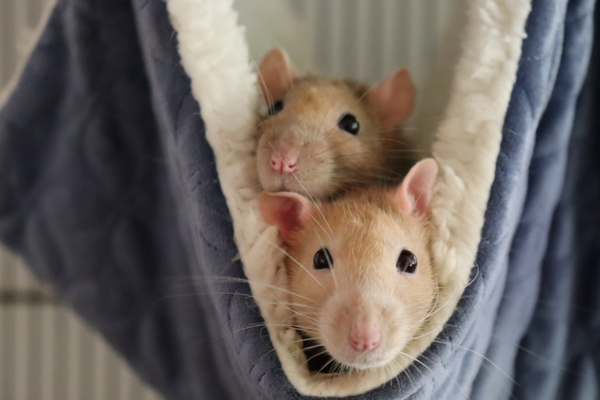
(34,343)
(22,28)
(126,387)
(88,354)
(129,384)
(100,370)
(337,24)
(47,356)
(34,10)
(348,57)
(429,32)
(415,21)
(8,372)
(441,26)
(5,40)
(151,395)
(113,378)
(60,354)
(3,5)
(21,349)
(8,353)
(361,39)
(74,365)
(376,35)
(323,15)
(389,22)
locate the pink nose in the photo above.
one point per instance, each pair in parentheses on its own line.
(365,337)
(284,161)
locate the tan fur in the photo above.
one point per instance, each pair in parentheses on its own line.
(366,237)
(330,160)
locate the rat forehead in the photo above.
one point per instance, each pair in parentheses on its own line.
(321,93)
(355,224)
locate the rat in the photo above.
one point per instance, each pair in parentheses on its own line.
(323,136)
(359,268)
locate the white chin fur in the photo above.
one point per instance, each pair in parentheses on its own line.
(275,182)
(375,359)
(339,348)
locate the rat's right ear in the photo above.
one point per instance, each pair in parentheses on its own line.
(275,75)
(288,211)
(414,194)
(394,98)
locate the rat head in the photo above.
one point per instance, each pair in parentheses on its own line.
(322,135)
(359,268)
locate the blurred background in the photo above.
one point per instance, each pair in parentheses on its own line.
(48,353)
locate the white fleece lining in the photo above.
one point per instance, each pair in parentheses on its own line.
(215,56)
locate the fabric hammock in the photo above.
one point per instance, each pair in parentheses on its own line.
(109,151)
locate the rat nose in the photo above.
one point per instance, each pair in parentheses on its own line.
(365,337)
(284,161)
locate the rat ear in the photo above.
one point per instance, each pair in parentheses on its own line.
(414,194)
(287,211)
(394,98)
(276,75)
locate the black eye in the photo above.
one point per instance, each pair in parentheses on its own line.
(276,108)
(349,123)
(407,262)
(322,259)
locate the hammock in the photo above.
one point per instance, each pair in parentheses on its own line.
(126,167)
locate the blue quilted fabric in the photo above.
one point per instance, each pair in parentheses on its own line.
(108,188)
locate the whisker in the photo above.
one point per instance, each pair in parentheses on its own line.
(480,355)
(308,195)
(233,279)
(262,237)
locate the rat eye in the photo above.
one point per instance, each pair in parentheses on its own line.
(349,123)
(322,259)
(407,262)
(276,108)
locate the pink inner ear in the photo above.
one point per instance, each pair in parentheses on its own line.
(394,98)
(289,212)
(276,75)
(414,194)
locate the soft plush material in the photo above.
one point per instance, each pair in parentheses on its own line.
(109,152)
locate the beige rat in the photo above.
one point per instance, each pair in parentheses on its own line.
(323,136)
(359,266)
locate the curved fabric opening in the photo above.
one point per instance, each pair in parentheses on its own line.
(467,119)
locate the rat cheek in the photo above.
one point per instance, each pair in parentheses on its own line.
(328,323)
(412,315)
(316,149)
(268,181)
(399,327)
(263,150)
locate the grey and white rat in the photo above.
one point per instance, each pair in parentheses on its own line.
(359,269)
(323,136)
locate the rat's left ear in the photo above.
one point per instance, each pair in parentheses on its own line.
(414,194)
(394,98)
(275,75)
(289,212)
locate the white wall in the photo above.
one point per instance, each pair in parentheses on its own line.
(366,40)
